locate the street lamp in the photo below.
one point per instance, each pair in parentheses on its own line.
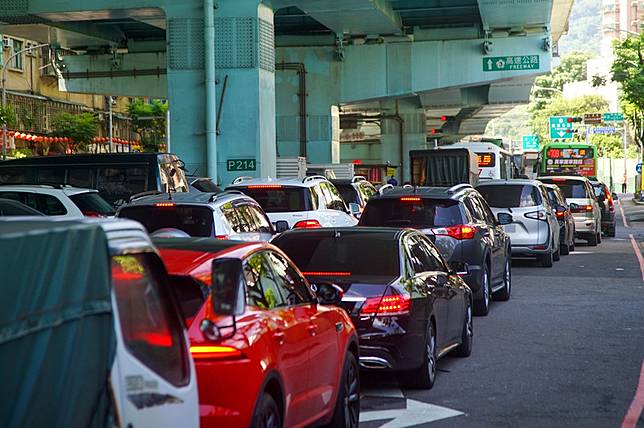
(4,93)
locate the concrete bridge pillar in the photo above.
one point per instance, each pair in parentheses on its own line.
(245,59)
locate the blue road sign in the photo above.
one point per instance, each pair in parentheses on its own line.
(638,168)
(560,127)
(530,142)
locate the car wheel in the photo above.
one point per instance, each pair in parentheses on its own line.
(425,376)
(504,293)
(611,232)
(467,335)
(592,240)
(545,260)
(564,249)
(482,304)
(347,407)
(556,256)
(267,414)
(599,237)
(572,244)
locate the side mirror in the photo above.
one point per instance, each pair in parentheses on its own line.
(281,226)
(459,268)
(615,196)
(504,218)
(328,293)
(227,290)
(354,209)
(573,206)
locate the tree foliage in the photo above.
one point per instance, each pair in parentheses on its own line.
(571,69)
(628,70)
(584,33)
(149,121)
(565,107)
(8,116)
(81,128)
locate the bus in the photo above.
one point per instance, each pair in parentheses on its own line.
(494,161)
(568,159)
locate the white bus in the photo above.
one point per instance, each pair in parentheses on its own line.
(494,162)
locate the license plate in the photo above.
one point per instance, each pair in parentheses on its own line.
(510,228)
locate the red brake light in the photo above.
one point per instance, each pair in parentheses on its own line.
(560,214)
(92,214)
(223,237)
(558,179)
(307,224)
(460,232)
(410,199)
(164,204)
(326,273)
(387,305)
(217,352)
(265,186)
(588,208)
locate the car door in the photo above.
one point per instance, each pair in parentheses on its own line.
(550,215)
(498,242)
(289,324)
(325,357)
(336,210)
(432,283)
(488,228)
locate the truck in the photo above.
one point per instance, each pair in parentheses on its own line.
(444,167)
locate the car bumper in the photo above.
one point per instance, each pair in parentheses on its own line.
(585,226)
(519,251)
(394,349)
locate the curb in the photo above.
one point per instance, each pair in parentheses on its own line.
(636,202)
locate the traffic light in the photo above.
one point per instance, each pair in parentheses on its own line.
(575,119)
(572,131)
(435,131)
(443,118)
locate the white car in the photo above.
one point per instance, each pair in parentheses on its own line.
(58,201)
(303,203)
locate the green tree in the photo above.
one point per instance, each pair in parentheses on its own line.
(8,116)
(149,121)
(571,69)
(628,70)
(565,107)
(611,146)
(81,128)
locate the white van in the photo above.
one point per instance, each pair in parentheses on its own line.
(494,162)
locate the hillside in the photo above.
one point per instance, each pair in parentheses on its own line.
(584,33)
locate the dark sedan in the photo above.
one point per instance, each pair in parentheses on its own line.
(409,307)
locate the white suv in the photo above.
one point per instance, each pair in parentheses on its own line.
(58,201)
(303,203)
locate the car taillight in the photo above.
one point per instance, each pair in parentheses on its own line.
(164,204)
(214,352)
(611,205)
(331,274)
(265,186)
(222,237)
(410,199)
(387,305)
(560,214)
(307,224)
(92,214)
(536,215)
(460,232)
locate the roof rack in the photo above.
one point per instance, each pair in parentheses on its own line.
(214,197)
(144,194)
(407,186)
(384,188)
(52,185)
(357,178)
(459,187)
(314,177)
(242,179)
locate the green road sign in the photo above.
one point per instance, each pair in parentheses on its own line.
(559,126)
(241,164)
(511,63)
(530,142)
(613,117)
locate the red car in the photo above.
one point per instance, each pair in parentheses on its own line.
(269,351)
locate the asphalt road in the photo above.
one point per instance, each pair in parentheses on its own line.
(566,350)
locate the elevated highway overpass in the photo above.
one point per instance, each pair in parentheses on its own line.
(250,79)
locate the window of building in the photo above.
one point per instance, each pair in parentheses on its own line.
(16,62)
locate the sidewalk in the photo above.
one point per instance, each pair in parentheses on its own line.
(633,210)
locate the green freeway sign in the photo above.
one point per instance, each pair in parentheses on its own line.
(511,63)
(613,117)
(559,126)
(530,142)
(241,164)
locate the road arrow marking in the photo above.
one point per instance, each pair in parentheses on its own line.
(416,413)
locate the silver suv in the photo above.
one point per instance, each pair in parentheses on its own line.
(535,229)
(227,215)
(580,196)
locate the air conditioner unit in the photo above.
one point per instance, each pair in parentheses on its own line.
(31,52)
(6,43)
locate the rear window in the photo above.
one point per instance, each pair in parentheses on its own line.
(151,328)
(91,204)
(193,220)
(510,196)
(600,190)
(280,199)
(348,192)
(571,189)
(411,212)
(356,254)
(204,185)
(117,183)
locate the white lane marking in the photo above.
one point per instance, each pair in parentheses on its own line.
(638,254)
(575,253)
(416,413)
(621,209)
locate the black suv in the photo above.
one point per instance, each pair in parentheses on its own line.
(461,225)
(355,191)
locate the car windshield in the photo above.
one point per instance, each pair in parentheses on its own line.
(195,221)
(571,189)
(274,199)
(510,196)
(205,185)
(357,254)
(348,192)
(411,212)
(92,204)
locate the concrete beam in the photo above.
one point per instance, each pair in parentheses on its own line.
(515,14)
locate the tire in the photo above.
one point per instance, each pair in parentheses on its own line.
(503,294)
(592,240)
(425,376)
(611,232)
(572,245)
(482,305)
(267,414)
(545,260)
(347,406)
(557,255)
(564,249)
(599,237)
(467,335)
